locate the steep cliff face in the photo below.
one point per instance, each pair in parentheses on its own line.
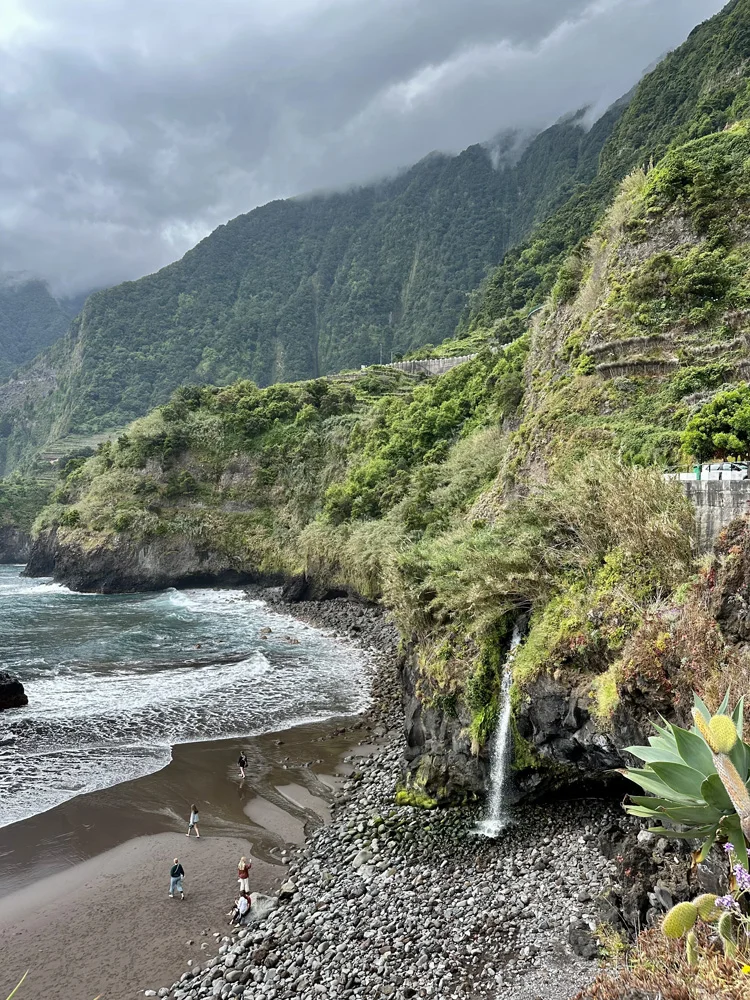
(440,765)
(15,545)
(559,746)
(122,564)
(31,319)
(301,288)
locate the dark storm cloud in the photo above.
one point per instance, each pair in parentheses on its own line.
(131,128)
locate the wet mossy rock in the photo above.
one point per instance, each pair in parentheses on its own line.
(439,764)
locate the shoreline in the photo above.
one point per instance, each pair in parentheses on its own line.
(107,852)
(80,879)
(382,901)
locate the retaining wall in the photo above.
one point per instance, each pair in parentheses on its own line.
(716,504)
(430,366)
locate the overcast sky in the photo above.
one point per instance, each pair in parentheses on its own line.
(129,129)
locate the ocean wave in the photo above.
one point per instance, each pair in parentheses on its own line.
(115,681)
(32,589)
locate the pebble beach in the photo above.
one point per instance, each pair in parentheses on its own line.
(399,902)
(353,896)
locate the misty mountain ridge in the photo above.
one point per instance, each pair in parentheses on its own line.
(31,318)
(306,286)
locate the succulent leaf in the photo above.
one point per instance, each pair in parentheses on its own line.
(731,827)
(693,750)
(680,778)
(680,919)
(701,707)
(716,795)
(725,928)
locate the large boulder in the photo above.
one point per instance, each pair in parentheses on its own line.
(12,694)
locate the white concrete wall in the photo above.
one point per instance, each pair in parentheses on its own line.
(716,504)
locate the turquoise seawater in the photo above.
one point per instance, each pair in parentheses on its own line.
(115,680)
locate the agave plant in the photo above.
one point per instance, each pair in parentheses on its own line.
(697,779)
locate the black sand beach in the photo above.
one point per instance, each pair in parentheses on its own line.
(83,887)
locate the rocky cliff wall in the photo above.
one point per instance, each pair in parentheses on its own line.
(558,745)
(15,545)
(119,564)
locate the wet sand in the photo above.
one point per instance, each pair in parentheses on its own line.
(84,887)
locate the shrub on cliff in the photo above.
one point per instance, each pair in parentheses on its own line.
(721,427)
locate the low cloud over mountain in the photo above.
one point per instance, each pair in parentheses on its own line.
(131,128)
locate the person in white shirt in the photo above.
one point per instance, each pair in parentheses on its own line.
(241,908)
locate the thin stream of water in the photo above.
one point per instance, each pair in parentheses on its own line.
(498,813)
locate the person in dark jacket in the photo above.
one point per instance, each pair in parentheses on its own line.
(176,875)
(242,763)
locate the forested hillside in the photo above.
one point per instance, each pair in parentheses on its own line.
(526,480)
(30,320)
(696,90)
(307,286)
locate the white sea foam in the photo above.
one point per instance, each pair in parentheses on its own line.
(115,681)
(32,587)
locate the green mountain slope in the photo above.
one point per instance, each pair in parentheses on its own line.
(30,320)
(525,481)
(697,89)
(308,286)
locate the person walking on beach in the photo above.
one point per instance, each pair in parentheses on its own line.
(243,874)
(176,875)
(242,762)
(193,821)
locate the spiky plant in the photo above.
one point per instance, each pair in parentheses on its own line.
(680,919)
(725,928)
(707,908)
(697,779)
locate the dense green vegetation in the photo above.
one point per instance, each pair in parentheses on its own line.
(21,500)
(721,428)
(30,320)
(695,91)
(307,286)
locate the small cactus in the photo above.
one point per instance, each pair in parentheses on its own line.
(726,933)
(691,949)
(723,734)
(680,919)
(706,906)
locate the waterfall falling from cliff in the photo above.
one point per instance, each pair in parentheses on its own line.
(497,809)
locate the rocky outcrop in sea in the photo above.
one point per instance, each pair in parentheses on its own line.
(12,694)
